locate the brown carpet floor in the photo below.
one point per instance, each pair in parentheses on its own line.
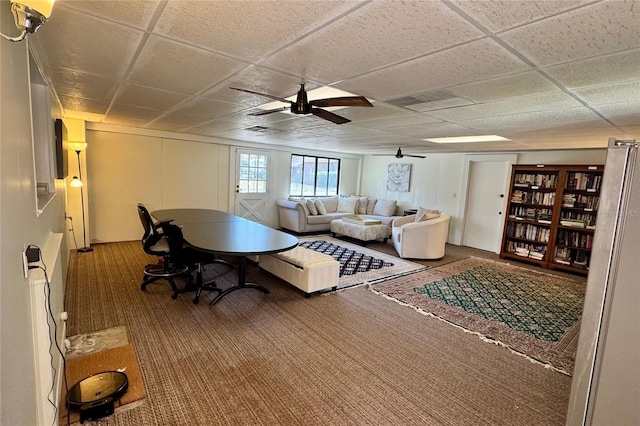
(345,358)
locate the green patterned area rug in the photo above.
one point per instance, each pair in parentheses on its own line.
(532,313)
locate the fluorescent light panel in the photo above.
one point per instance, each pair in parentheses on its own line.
(468,139)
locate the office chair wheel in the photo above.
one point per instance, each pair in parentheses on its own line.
(196,300)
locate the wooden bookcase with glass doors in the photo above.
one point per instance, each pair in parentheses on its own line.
(551,215)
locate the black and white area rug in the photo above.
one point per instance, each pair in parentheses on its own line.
(359,265)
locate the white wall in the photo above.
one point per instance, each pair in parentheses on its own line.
(436,181)
(19,227)
(168,172)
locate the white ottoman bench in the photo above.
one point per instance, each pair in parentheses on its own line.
(364,233)
(306,269)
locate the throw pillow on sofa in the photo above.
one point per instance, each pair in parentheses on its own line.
(320,206)
(361,205)
(371,204)
(303,202)
(311,205)
(347,204)
(330,204)
(385,208)
(426,214)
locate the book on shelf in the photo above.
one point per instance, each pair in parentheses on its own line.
(545,221)
(572,223)
(562,261)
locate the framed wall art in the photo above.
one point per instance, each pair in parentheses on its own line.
(398,177)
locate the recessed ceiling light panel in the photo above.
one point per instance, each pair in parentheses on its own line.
(468,139)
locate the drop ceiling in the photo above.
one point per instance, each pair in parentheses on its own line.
(561,74)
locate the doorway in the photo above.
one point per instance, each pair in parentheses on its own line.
(485,201)
(252,183)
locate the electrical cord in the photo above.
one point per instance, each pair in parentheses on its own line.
(54,340)
(73,232)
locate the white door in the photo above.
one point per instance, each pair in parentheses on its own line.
(484,216)
(252,172)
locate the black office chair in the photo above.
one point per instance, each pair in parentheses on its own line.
(166,240)
(182,253)
(155,243)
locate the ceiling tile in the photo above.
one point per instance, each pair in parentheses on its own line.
(69,49)
(472,62)
(435,130)
(81,104)
(355,133)
(593,30)
(261,120)
(540,119)
(499,15)
(622,113)
(122,112)
(522,121)
(379,110)
(301,122)
(384,142)
(208,108)
(510,86)
(620,67)
(246,29)
(136,13)
(408,119)
(610,93)
(216,126)
(189,70)
(177,122)
(70,82)
(148,97)
(558,100)
(400,31)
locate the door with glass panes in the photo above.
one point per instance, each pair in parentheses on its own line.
(252,184)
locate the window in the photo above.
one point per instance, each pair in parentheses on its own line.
(314,176)
(253,173)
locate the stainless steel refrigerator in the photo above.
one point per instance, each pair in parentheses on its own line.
(606,381)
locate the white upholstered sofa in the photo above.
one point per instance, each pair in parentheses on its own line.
(304,216)
(425,239)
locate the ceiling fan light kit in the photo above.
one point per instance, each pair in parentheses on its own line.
(302,106)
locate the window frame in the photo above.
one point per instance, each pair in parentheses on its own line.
(315,175)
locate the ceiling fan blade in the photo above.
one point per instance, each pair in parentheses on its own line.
(327,115)
(355,101)
(399,154)
(263,95)
(268,111)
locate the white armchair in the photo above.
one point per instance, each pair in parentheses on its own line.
(420,240)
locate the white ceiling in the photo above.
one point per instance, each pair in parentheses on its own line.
(548,74)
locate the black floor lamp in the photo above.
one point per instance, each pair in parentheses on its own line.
(77,183)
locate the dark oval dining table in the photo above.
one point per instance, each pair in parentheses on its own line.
(218,232)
